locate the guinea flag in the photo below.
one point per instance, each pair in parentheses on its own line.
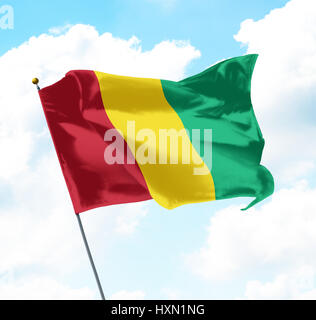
(123,139)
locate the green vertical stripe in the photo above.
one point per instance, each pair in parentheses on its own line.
(219,99)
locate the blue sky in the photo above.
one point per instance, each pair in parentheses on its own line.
(209,25)
(201,251)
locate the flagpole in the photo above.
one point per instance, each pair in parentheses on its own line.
(36,81)
(90,257)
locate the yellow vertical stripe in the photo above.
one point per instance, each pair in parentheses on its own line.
(142,100)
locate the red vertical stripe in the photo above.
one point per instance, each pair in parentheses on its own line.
(77,121)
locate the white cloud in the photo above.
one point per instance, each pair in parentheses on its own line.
(279,233)
(172,294)
(60,29)
(38,229)
(39,221)
(298,284)
(284,81)
(128,295)
(298,169)
(41,288)
(126,224)
(14,159)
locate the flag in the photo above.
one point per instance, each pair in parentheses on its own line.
(124,139)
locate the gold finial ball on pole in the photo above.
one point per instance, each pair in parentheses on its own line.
(36,81)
